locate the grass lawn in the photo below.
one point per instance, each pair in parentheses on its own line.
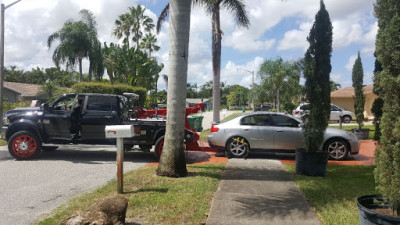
(349,128)
(3,142)
(154,199)
(334,196)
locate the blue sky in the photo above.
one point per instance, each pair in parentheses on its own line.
(278,28)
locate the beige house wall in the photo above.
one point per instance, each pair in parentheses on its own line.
(348,104)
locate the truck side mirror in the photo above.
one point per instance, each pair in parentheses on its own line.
(45,106)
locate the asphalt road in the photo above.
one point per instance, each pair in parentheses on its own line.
(29,189)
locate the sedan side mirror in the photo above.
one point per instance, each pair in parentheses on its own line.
(301,125)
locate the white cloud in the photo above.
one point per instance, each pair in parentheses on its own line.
(234,73)
(350,64)
(295,39)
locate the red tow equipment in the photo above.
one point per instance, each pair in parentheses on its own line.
(141,113)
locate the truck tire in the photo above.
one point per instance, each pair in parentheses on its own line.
(24,145)
(158,146)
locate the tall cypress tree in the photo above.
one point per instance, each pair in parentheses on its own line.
(387,172)
(359,101)
(317,71)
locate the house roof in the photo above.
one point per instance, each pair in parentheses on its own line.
(197,100)
(26,90)
(348,92)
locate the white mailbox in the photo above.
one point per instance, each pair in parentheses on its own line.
(119,131)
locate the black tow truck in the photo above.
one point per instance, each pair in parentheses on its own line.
(80,119)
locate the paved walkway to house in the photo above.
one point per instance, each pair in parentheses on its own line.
(258,190)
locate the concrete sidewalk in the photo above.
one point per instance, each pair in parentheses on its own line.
(259,191)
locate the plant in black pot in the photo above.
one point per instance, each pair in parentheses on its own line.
(312,161)
(385,209)
(359,99)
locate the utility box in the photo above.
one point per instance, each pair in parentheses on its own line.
(119,131)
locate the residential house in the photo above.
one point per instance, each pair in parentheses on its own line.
(13,91)
(206,101)
(344,98)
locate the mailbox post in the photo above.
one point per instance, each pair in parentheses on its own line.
(120,132)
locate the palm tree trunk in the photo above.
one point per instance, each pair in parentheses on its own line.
(172,161)
(80,69)
(216,61)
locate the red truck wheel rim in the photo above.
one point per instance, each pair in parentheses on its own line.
(24,146)
(160,147)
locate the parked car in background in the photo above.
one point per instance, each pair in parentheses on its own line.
(336,113)
(273,131)
(263,108)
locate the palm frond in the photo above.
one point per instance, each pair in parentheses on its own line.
(162,18)
(238,8)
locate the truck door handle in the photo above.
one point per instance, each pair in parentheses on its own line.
(279,131)
(64,116)
(108,117)
(245,129)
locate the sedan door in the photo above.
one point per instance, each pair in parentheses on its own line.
(287,133)
(258,131)
(336,113)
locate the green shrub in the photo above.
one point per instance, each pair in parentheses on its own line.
(9,106)
(106,88)
(288,107)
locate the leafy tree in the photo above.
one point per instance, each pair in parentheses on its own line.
(78,40)
(206,90)
(191,91)
(388,156)
(238,9)
(278,75)
(334,86)
(14,75)
(134,22)
(172,160)
(131,66)
(317,86)
(238,96)
(359,102)
(149,43)
(377,106)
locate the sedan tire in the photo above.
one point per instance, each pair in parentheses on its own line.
(337,149)
(237,147)
(346,119)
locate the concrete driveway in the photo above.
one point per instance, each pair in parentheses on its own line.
(31,188)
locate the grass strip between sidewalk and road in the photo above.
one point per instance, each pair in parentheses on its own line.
(334,197)
(153,199)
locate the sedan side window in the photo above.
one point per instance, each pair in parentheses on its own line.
(334,108)
(284,121)
(256,120)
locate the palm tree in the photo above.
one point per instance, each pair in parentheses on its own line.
(238,9)
(172,161)
(276,74)
(78,40)
(133,23)
(149,43)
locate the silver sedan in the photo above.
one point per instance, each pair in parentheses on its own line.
(278,132)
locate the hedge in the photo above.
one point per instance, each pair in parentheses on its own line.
(104,88)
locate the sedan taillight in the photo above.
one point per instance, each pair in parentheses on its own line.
(214,129)
(296,112)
